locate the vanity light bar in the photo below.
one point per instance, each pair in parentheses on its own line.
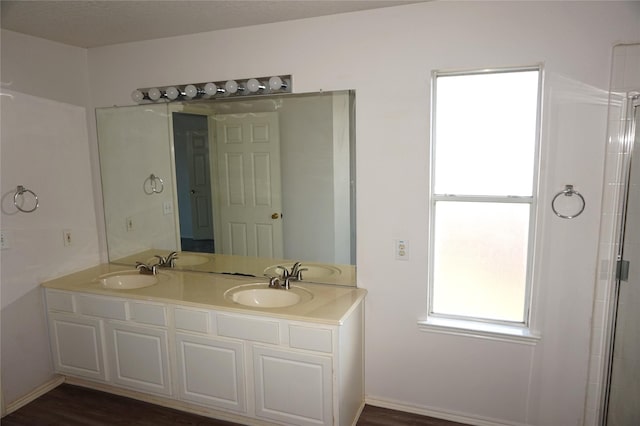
(217,89)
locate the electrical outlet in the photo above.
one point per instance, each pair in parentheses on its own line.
(129,224)
(402,249)
(66,236)
(4,240)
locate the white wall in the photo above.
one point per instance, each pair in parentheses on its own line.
(44,147)
(387,56)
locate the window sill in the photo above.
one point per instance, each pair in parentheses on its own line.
(499,332)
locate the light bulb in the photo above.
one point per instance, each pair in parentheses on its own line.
(190,91)
(231,86)
(210,89)
(154,94)
(137,96)
(254,85)
(275,83)
(172,93)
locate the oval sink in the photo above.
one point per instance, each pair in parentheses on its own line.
(265,298)
(184,259)
(262,296)
(127,280)
(309,271)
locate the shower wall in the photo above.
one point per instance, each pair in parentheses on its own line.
(625,77)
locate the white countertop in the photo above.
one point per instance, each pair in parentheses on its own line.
(330,303)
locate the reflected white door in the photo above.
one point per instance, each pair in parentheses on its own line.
(200,182)
(248,184)
(624,389)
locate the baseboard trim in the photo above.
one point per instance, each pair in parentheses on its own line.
(438,414)
(34,394)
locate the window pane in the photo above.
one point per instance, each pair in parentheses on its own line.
(480,259)
(485,133)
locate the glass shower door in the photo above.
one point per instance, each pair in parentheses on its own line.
(624,389)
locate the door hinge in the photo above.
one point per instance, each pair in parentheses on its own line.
(622,270)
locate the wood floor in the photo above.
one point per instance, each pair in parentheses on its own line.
(69,405)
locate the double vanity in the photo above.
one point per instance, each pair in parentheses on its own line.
(209,335)
(220,345)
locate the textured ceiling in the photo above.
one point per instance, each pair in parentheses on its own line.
(100,23)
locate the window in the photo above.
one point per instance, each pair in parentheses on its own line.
(483,194)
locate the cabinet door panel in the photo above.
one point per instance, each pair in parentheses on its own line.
(211,372)
(139,357)
(77,346)
(293,387)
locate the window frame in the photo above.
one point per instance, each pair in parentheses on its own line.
(439,320)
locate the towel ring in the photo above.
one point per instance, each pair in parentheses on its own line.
(156,185)
(20,190)
(568,192)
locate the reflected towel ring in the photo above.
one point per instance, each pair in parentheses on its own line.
(20,190)
(568,192)
(156,185)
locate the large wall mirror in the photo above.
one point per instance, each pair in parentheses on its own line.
(236,186)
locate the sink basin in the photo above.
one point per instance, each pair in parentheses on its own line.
(313,271)
(184,259)
(127,280)
(261,296)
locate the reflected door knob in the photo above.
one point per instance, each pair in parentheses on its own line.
(193,191)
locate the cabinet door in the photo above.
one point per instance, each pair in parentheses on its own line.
(292,387)
(211,372)
(76,343)
(139,357)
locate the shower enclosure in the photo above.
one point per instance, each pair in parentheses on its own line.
(622,394)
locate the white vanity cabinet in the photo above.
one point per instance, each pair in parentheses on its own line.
(138,357)
(210,368)
(293,387)
(111,340)
(76,345)
(211,372)
(245,367)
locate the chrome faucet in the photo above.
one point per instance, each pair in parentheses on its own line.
(285,278)
(277,282)
(167,262)
(145,269)
(295,273)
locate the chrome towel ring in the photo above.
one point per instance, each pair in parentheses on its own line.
(568,192)
(155,186)
(20,191)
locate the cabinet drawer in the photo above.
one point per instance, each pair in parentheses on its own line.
(57,301)
(147,313)
(249,329)
(192,320)
(313,339)
(102,307)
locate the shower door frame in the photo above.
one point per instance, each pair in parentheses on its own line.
(629,136)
